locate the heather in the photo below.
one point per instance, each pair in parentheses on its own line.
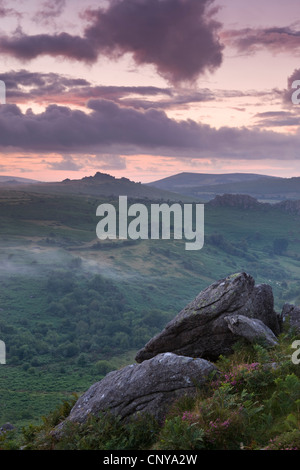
(253,403)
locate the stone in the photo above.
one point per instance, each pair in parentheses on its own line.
(200,329)
(291,313)
(251,329)
(6,428)
(148,388)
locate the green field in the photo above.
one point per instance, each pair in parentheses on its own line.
(72,308)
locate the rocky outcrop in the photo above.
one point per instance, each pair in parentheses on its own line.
(176,361)
(201,328)
(147,388)
(251,329)
(292,314)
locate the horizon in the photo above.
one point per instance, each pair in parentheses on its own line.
(138,180)
(197,86)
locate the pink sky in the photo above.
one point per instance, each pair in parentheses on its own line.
(148,88)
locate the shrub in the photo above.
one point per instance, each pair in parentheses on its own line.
(179,433)
(286,441)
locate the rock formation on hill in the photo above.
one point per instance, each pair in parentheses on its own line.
(177,360)
(292,313)
(201,328)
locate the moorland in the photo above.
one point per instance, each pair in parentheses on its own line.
(73,307)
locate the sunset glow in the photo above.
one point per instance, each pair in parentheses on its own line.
(146,89)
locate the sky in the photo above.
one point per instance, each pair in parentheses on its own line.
(149,88)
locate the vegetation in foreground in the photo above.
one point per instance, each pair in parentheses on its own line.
(254,403)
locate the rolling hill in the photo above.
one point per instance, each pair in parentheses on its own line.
(206,186)
(185,179)
(101,184)
(13,180)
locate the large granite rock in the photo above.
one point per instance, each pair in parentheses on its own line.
(148,388)
(201,330)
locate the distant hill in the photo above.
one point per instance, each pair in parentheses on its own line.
(184,179)
(11,180)
(102,184)
(207,186)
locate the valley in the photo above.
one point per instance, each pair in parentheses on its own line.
(74,307)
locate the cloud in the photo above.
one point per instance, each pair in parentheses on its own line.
(26,47)
(81,161)
(66,163)
(106,128)
(251,40)
(8,11)
(25,86)
(49,11)
(178,37)
(108,162)
(277,119)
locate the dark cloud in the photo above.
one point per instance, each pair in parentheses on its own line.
(26,47)
(178,37)
(251,40)
(106,128)
(16,79)
(277,119)
(46,88)
(23,86)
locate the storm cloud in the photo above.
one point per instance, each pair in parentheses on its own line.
(105,127)
(178,37)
